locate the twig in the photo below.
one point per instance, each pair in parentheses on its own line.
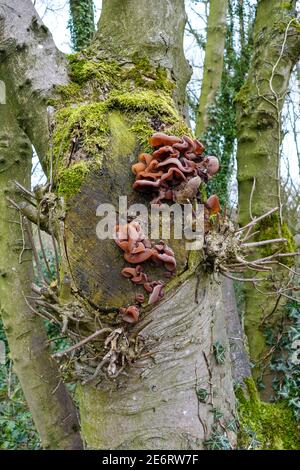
(23,240)
(56,259)
(41,243)
(83,342)
(251,197)
(247,237)
(24,190)
(241,279)
(35,254)
(257,219)
(276,255)
(264,242)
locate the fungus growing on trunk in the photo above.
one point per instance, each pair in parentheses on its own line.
(130,314)
(173,163)
(138,249)
(174,172)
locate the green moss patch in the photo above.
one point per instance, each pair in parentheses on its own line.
(270,229)
(272,424)
(71,179)
(83,70)
(108,108)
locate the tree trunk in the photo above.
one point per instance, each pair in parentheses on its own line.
(129,84)
(82,23)
(260,101)
(143,408)
(156,405)
(49,402)
(213,64)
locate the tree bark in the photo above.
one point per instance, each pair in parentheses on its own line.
(50,404)
(129,84)
(151,29)
(213,64)
(156,405)
(31,66)
(259,106)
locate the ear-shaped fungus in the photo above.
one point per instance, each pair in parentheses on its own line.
(174,161)
(174,171)
(213,205)
(157,293)
(137,249)
(130,314)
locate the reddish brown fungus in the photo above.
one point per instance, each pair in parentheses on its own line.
(130,314)
(173,172)
(213,205)
(140,298)
(174,160)
(157,293)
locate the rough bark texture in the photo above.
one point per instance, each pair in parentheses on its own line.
(213,64)
(259,103)
(129,84)
(82,23)
(49,402)
(156,405)
(31,66)
(151,29)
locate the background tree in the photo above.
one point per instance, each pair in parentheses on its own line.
(260,102)
(51,407)
(81,23)
(177,392)
(138,73)
(213,64)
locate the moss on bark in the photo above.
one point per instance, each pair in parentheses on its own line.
(259,106)
(272,425)
(104,101)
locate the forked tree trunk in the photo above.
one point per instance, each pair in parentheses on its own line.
(128,85)
(260,101)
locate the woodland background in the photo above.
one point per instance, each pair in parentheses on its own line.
(219,129)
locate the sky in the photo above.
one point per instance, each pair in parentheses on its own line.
(55,14)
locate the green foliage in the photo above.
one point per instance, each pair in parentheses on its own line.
(81,23)
(218,441)
(202,394)
(286,359)
(219,352)
(217,414)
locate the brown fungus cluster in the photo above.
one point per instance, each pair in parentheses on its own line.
(174,172)
(138,249)
(175,161)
